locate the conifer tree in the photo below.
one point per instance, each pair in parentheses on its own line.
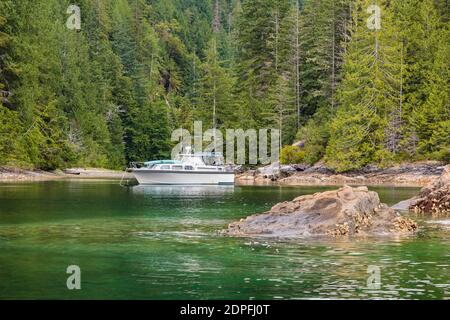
(431,120)
(215,103)
(425,35)
(368,94)
(324,31)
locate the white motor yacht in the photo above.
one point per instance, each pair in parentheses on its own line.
(187,169)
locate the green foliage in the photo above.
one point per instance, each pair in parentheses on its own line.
(371,123)
(431,116)
(323,39)
(150,141)
(113,91)
(292,155)
(215,92)
(315,135)
(12,150)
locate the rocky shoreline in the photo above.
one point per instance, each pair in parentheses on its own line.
(409,174)
(345,212)
(434,199)
(10,174)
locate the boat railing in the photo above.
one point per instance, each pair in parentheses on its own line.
(136,165)
(139,165)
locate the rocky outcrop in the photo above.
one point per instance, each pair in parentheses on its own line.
(435,198)
(344,212)
(268,174)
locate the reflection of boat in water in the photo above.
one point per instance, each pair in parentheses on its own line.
(187,169)
(183,191)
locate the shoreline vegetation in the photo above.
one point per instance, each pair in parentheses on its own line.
(417,174)
(114,90)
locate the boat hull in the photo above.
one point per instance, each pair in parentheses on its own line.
(158,177)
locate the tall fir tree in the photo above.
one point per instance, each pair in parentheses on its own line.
(215,104)
(324,33)
(424,30)
(369,92)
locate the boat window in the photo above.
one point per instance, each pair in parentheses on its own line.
(205,168)
(188,168)
(165,167)
(177,167)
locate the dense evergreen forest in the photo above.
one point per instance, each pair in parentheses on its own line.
(113,91)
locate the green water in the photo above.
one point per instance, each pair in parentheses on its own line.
(161,243)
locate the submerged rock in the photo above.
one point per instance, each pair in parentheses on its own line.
(347,211)
(435,198)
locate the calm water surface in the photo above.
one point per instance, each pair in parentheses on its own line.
(162,243)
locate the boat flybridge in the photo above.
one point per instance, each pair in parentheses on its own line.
(186,169)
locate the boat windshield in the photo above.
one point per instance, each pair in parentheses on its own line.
(201,159)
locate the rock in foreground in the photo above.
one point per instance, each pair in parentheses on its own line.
(347,211)
(435,198)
